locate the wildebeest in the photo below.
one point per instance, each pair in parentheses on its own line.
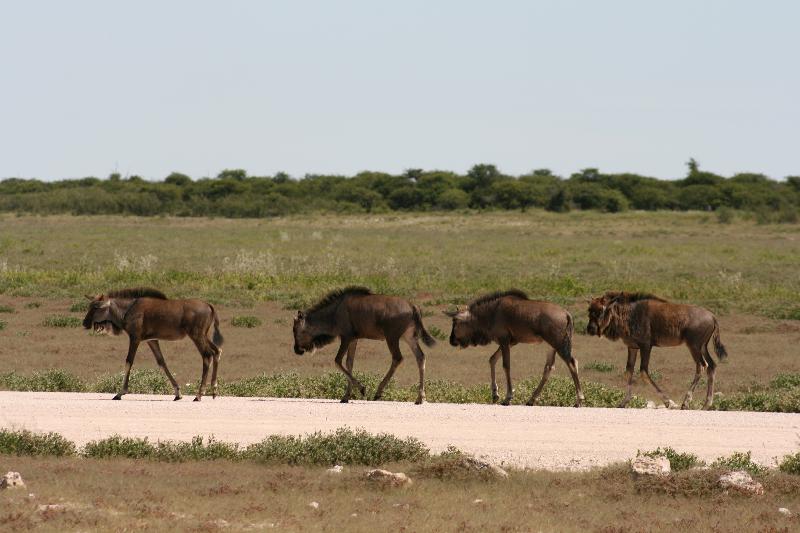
(643,321)
(356,313)
(147,315)
(509,318)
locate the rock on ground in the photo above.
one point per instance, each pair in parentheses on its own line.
(651,466)
(479,465)
(336,469)
(12,480)
(784,511)
(741,481)
(388,478)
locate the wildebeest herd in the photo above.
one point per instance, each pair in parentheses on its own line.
(642,321)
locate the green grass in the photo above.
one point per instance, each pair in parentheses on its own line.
(437,333)
(745,267)
(599,366)
(6,309)
(81,306)
(790,464)
(3,325)
(33,305)
(245,322)
(61,321)
(781,395)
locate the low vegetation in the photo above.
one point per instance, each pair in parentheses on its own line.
(677,460)
(599,366)
(245,322)
(739,461)
(559,390)
(782,394)
(61,321)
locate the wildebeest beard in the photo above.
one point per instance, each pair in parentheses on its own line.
(322,340)
(478,338)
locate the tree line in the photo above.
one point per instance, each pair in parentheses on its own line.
(232,193)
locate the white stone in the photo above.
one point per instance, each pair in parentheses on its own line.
(337,469)
(651,466)
(784,511)
(479,465)
(477,500)
(651,404)
(314,505)
(741,481)
(12,480)
(388,478)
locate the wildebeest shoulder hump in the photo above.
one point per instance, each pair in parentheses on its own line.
(337,295)
(487,298)
(629,297)
(138,292)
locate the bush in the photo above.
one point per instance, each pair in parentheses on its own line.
(23,442)
(245,322)
(52,380)
(62,321)
(677,461)
(739,461)
(168,451)
(344,446)
(790,464)
(724,215)
(145,381)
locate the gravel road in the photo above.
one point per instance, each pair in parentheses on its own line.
(535,437)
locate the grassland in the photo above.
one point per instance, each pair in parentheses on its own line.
(264,269)
(126,494)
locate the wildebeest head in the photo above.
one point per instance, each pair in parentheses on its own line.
(99,317)
(599,315)
(466,330)
(308,337)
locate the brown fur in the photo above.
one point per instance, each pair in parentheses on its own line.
(147,315)
(509,318)
(355,313)
(643,321)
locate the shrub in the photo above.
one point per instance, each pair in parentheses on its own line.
(344,446)
(739,461)
(145,381)
(53,380)
(62,321)
(724,215)
(677,461)
(437,333)
(24,442)
(790,464)
(245,322)
(33,305)
(3,325)
(6,309)
(140,448)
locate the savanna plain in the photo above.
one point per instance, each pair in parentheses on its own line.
(259,272)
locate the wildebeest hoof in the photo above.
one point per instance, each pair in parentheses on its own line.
(530,403)
(344,400)
(419,401)
(176,398)
(377,397)
(684,406)
(197,399)
(117,397)
(578,404)
(495,398)
(363,391)
(506,401)
(623,405)
(670,404)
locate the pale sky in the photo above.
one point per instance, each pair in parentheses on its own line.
(89,88)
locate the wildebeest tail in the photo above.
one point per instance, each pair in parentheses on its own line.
(566,346)
(217,339)
(421,332)
(722,353)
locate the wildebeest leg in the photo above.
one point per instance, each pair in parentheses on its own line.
(711,371)
(643,371)
(397,358)
(548,367)
(132,347)
(492,364)
(629,368)
(699,364)
(207,353)
(506,350)
(420,356)
(573,371)
(351,380)
(156,349)
(215,364)
(351,354)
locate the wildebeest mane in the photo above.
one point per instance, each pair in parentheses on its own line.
(336,295)
(487,298)
(630,297)
(138,292)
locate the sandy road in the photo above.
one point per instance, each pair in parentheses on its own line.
(537,437)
